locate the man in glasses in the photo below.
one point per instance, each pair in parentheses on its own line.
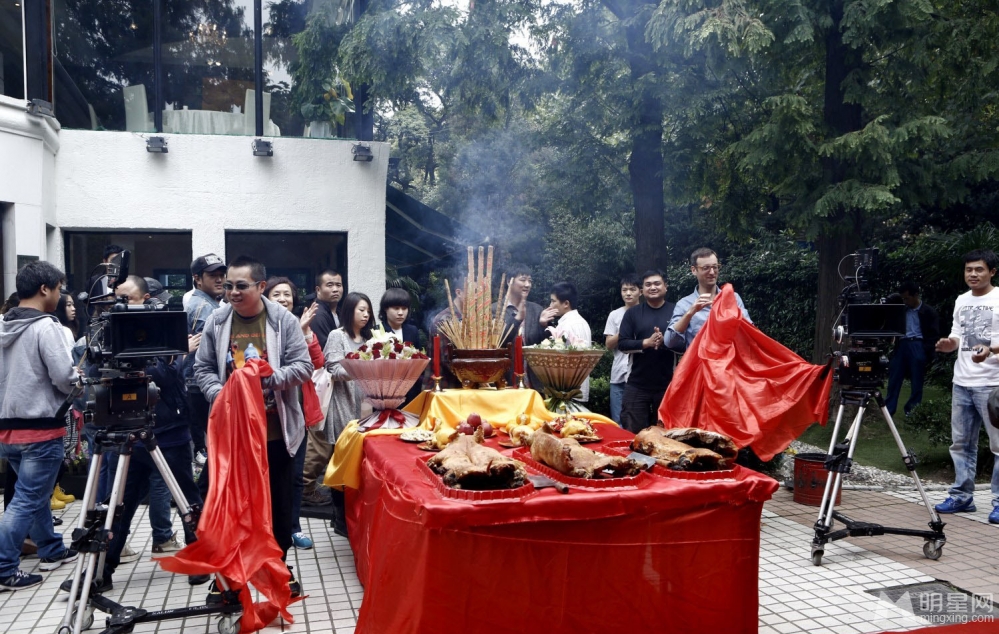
(252,326)
(692,311)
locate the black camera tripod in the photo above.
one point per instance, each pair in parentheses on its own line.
(839,460)
(92,537)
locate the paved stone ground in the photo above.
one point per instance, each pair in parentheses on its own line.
(795,596)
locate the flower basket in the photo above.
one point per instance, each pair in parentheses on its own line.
(385,381)
(562,373)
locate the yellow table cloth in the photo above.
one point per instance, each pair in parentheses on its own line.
(499,407)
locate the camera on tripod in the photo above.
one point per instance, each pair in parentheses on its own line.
(123,340)
(865,326)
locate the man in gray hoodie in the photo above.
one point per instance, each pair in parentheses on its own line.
(251,325)
(36,374)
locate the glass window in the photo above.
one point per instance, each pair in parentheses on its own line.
(299,256)
(165,256)
(11,49)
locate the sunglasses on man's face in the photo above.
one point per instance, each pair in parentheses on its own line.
(239,286)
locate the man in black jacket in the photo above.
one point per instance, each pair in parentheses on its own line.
(914,352)
(641,335)
(329,290)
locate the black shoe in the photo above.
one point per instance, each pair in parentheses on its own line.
(197,580)
(294,585)
(320,496)
(104,586)
(214,595)
(56,521)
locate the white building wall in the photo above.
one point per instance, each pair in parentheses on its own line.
(28,146)
(210,184)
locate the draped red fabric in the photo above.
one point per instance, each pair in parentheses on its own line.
(310,400)
(235,537)
(735,380)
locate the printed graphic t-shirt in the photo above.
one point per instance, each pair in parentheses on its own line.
(976,323)
(248,340)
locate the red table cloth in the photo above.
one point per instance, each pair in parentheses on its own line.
(673,556)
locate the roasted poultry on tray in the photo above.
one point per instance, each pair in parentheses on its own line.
(467,464)
(679,456)
(568,457)
(704,439)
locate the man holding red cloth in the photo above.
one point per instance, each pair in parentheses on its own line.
(735,380)
(251,327)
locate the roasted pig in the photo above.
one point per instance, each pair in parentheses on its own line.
(568,457)
(673,454)
(466,464)
(704,439)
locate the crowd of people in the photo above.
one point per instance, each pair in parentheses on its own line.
(235,313)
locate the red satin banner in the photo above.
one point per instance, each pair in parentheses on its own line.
(235,536)
(737,381)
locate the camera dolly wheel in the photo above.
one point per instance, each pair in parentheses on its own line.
(229,623)
(817,556)
(88,618)
(933,548)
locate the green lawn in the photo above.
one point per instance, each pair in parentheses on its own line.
(877,448)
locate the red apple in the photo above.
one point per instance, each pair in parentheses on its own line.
(474,420)
(466,429)
(487,430)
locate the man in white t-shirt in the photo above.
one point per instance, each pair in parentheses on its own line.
(975,336)
(631,292)
(571,325)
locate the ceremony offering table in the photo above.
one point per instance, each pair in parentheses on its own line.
(668,555)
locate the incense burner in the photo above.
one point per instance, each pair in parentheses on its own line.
(478,367)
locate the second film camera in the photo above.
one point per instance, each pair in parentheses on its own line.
(866,327)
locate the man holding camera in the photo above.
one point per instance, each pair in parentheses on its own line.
(249,325)
(974,335)
(36,374)
(173,437)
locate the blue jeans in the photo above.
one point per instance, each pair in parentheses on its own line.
(105,479)
(909,361)
(37,467)
(616,397)
(969,409)
(159,508)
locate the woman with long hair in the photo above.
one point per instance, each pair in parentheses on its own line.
(356,319)
(282,290)
(65,312)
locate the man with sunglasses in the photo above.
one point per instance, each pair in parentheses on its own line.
(250,326)
(692,311)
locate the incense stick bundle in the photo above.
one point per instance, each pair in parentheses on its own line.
(481,326)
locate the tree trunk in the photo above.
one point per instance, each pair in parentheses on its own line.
(645,167)
(839,236)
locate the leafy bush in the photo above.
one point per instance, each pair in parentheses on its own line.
(599,402)
(932,417)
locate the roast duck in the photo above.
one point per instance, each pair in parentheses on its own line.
(568,457)
(467,464)
(687,449)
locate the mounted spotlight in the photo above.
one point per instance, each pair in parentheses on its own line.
(262,148)
(157,144)
(362,153)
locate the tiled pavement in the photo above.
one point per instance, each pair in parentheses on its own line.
(795,596)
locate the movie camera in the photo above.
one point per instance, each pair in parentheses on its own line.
(121,340)
(865,326)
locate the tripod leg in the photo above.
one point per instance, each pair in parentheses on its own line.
(910,462)
(834,482)
(89,502)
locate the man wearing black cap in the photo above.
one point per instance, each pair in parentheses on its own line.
(208,273)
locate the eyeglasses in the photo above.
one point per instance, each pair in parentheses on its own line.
(709,267)
(239,286)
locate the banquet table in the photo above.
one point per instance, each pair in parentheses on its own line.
(210,122)
(670,555)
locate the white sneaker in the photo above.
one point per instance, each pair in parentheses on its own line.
(169,546)
(128,555)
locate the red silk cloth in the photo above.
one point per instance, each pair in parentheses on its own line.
(737,381)
(235,537)
(386,414)
(680,553)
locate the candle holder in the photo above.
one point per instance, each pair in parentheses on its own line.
(518,381)
(437,384)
